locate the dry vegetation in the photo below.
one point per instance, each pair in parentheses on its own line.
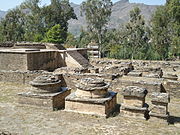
(28,120)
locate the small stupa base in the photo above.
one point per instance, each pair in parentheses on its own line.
(92,106)
(53,101)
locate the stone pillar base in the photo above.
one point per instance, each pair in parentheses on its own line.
(92,106)
(49,100)
(134,112)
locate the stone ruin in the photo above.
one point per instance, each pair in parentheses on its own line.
(46,91)
(51,68)
(91,97)
(159,108)
(134,102)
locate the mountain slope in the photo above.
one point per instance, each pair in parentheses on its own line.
(2,14)
(120,15)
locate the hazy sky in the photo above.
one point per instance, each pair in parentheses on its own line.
(8,4)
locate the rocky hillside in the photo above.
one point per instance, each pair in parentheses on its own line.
(120,15)
(2,14)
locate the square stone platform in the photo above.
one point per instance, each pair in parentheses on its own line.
(93,106)
(49,100)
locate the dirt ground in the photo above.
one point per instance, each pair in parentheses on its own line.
(20,119)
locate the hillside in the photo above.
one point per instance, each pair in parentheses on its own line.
(2,14)
(120,15)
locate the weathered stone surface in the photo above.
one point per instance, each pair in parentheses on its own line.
(92,88)
(151,84)
(50,100)
(159,107)
(90,84)
(135,73)
(46,83)
(93,106)
(172,87)
(135,91)
(170,76)
(160,97)
(134,102)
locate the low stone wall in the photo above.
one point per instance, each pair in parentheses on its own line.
(24,77)
(6,45)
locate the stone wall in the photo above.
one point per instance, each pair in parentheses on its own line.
(13,61)
(47,60)
(24,77)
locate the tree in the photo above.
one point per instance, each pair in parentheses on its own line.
(30,22)
(166,29)
(71,41)
(12,25)
(56,35)
(58,12)
(160,32)
(173,9)
(136,35)
(97,14)
(34,25)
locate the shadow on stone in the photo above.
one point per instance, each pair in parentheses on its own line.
(173,120)
(116,111)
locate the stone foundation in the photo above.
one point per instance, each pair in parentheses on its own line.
(49,100)
(134,103)
(159,109)
(135,112)
(92,106)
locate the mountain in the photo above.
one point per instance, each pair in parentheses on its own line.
(120,15)
(2,14)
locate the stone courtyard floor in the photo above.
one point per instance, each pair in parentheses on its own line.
(20,119)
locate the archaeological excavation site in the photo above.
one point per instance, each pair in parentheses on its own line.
(46,89)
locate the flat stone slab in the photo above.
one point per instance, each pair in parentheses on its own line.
(160,97)
(134,73)
(135,91)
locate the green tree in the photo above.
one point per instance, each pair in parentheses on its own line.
(34,25)
(12,25)
(56,35)
(160,32)
(136,34)
(173,9)
(97,14)
(58,12)
(166,29)
(71,41)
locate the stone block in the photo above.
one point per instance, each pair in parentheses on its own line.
(134,91)
(49,100)
(134,112)
(93,106)
(159,107)
(160,98)
(134,101)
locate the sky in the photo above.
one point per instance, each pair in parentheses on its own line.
(4,5)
